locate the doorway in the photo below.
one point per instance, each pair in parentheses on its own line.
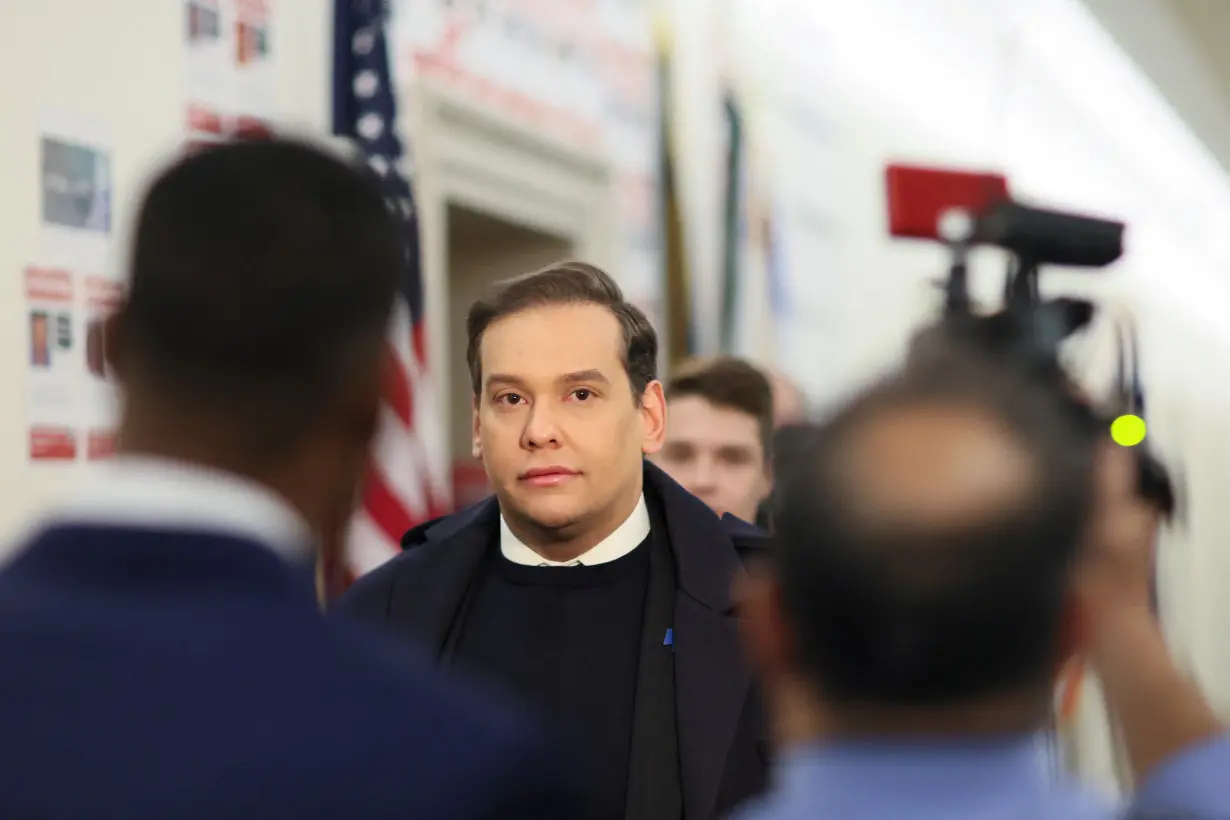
(482,249)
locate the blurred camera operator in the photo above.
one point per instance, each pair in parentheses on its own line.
(945,543)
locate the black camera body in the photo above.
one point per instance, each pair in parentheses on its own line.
(962,210)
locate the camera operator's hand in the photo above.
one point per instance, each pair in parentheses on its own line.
(1160,711)
(1116,571)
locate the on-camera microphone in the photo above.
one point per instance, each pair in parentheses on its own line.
(1050,237)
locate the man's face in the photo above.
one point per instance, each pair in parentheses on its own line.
(716,454)
(556,422)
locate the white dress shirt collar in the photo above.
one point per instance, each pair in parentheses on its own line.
(155,493)
(626,537)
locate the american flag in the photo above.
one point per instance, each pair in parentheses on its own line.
(407,482)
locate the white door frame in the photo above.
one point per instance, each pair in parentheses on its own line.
(475,156)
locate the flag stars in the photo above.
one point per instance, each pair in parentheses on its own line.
(366,84)
(363,42)
(370,127)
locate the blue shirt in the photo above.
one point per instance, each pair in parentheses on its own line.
(966,779)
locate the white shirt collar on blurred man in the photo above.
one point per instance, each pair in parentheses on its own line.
(156,493)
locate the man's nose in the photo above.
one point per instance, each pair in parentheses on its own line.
(541,428)
(704,477)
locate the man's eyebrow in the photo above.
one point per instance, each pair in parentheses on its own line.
(584,376)
(504,378)
(591,375)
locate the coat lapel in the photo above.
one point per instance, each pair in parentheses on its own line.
(427,598)
(712,680)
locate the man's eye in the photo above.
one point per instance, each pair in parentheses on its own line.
(510,398)
(582,394)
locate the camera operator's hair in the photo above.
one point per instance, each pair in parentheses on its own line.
(732,384)
(908,614)
(566,283)
(262,277)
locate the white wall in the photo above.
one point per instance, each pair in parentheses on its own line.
(116,63)
(844,87)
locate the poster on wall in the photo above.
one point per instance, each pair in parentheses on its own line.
(74,248)
(99,405)
(229,86)
(51,401)
(254,85)
(205,69)
(75,192)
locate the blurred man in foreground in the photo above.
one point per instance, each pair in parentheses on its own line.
(592,584)
(163,653)
(944,544)
(719,431)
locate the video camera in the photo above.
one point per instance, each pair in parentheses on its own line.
(962,210)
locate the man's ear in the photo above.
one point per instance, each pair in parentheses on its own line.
(476,441)
(653,416)
(1075,635)
(766,638)
(1075,631)
(115,344)
(766,487)
(363,399)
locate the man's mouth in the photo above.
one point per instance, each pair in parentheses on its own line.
(548,476)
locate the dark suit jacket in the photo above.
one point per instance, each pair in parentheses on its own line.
(720,721)
(164,675)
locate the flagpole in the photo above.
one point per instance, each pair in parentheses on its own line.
(678,292)
(733,217)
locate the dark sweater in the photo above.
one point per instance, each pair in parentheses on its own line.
(567,640)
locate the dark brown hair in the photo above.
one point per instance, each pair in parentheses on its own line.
(566,283)
(262,277)
(731,383)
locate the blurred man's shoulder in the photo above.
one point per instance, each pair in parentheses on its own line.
(413,708)
(388,671)
(368,728)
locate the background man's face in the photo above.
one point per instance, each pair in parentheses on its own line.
(716,454)
(555,397)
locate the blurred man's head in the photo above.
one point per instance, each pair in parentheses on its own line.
(251,338)
(566,402)
(926,541)
(719,431)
